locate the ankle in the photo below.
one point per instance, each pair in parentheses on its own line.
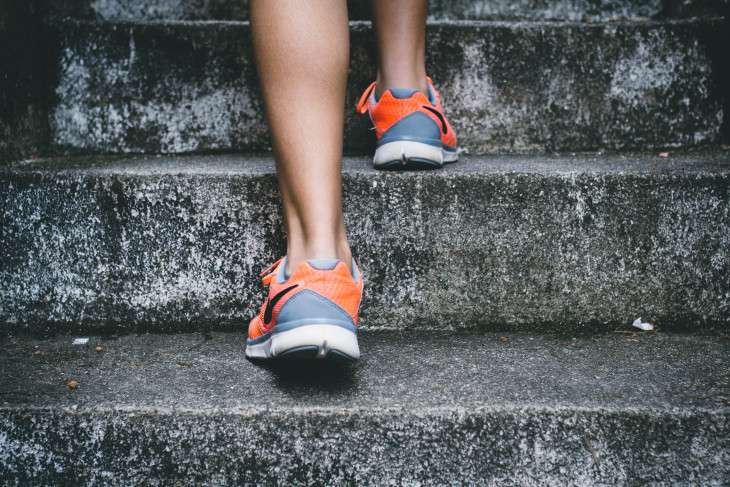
(413,81)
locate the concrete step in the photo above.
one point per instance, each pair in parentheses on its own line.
(418,409)
(177,87)
(573,10)
(585,242)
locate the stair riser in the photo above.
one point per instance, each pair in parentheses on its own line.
(117,251)
(192,87)
(340,447)
(438,9)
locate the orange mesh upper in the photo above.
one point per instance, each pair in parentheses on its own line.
(389,110)
(336,285)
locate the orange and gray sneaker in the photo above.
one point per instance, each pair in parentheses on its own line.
(411,129)
(311,315)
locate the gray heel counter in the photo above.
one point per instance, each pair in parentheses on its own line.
(308,305)
(417,124)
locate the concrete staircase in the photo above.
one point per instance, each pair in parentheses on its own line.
(139,203)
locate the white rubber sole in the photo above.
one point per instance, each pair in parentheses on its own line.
(406,151)
(309,341)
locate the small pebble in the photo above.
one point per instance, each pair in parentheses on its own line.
(73,384)
(37,352)
(572,344)
(503,339)
(99,349)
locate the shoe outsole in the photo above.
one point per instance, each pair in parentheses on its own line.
(310,342)
(409,155)
(312,352)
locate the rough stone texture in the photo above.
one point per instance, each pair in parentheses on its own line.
(23,124)
(134,10)
(573,10)
(522,87)
(156,87)
(546,243)
(418,409)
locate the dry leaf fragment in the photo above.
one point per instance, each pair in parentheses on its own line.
(504,339)
(73,384)
(99,349)
(37,352)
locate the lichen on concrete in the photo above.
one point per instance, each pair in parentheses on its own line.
(632,92)
(184,87)
(534,243)
(131,88)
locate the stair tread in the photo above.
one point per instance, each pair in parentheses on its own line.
(711,160)
(537,9)
(358,24)
(413,373)
(428,409)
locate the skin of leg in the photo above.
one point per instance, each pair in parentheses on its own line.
(400,29)
(302,50)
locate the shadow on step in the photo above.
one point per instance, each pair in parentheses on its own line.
(313,376)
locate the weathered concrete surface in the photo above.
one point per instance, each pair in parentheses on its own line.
(418,409)
(23,117)
(573,10)
(133,10)
(541,243)
(178,87)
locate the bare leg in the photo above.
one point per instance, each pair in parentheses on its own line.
(400,28)
(302,51)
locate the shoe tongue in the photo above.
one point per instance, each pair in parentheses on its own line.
(402,93)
